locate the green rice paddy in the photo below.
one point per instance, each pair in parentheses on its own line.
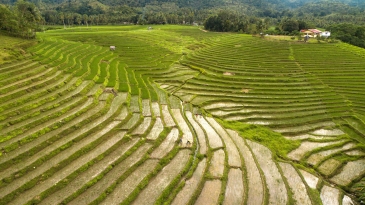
(176,115)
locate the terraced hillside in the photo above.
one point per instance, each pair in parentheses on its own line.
(180,116)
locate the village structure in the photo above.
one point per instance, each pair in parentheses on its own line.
(313,33)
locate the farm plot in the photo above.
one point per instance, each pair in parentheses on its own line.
(162,180)
(235,189)
(273,178)
(256,187)
(191,185)
(167,145)
(187,135)
(199,132)
(296,184)
(210,193)
(147,123)
(214,139)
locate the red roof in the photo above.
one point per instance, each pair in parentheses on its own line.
(315,30)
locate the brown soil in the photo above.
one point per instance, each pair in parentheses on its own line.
(245,90)
(235,189)
(228,73)
(210,193)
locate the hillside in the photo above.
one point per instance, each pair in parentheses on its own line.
(260,4)
(177,115)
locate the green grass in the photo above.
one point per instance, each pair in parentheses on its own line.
(12,49)
(272,140)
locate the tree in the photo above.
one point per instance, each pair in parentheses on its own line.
(5,17)
(28,17)
(78,18)
(290,25)
(85,19)
(62,18)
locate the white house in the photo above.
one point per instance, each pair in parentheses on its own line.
(326,34)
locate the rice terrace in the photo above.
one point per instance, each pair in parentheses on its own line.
(175,115)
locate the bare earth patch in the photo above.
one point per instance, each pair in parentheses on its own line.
(330,196)
(213,138)
(308,136)
(62,155)
(296,184)
(274,181)
(143,126)
(146,109)
(69,169)
(167,145)
(245,90)
(217,163)
(169,121)
(310,179)
(199,132)
(234,159)
(81,180)
(228,73)
(156,130)
(156,109)
(210,193)
(155,187)
(184,196)
(350,171)
(124,189)
(123,115)
(134,103)
(307,147)
(347,201)
(132,121)
(355,153)
(329,166)
(42,138)
(325,132)
(93,192)
(234,189)
(222,105)
(317,157)
(255,184)
(187,135)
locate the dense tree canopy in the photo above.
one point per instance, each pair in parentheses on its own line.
(349,33)
(21,19)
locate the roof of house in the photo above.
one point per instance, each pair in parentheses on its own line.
(311,31)
(315,30)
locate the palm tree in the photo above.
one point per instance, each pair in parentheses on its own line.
(85,18)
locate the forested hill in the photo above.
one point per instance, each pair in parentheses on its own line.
(197,3)
(246,16)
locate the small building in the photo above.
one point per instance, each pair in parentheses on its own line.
(312,33)
(326,34)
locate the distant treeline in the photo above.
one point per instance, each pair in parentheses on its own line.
(225,21)
(349,33)
(321,13)
(20,20)
(23,18)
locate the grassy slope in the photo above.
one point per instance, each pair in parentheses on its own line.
(12,48)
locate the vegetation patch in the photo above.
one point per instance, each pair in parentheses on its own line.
(277,143)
